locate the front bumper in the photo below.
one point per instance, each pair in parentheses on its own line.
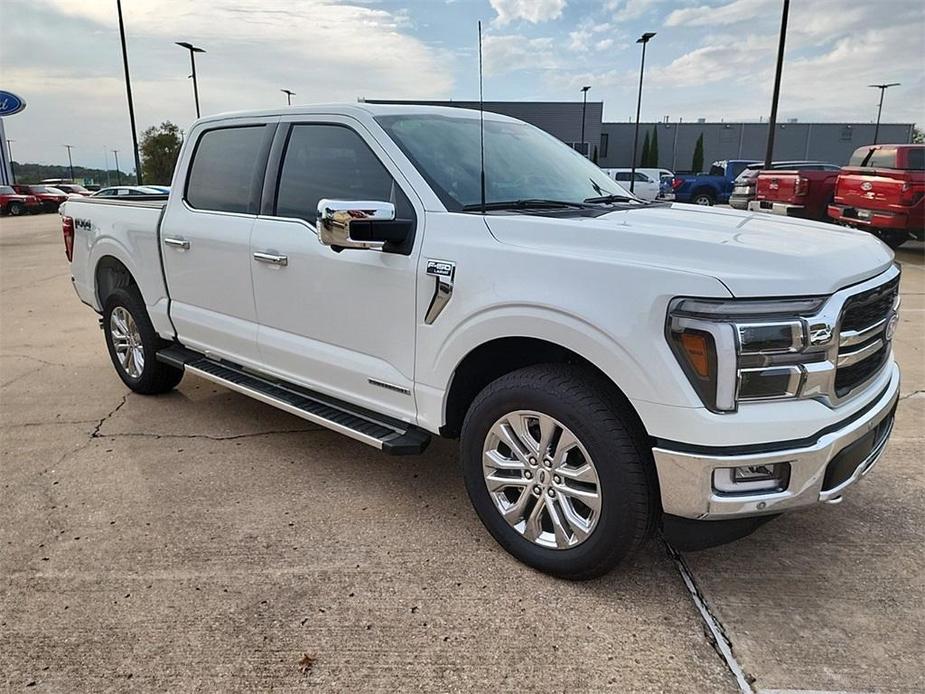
(686,476)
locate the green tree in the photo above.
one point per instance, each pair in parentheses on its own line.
(160,147)
(653,149)
(918,137)
(697,161)
(644,159)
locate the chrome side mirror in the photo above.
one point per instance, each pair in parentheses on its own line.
(358,224)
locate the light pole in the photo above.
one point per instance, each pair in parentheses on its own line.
(882,88)
(289,95)
(644,39)
(584,106)
(128,91)
(9,148)
(118,173)
(772,121)
(70,163)
(193,50)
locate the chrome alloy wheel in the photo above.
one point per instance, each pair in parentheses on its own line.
(541,479)
(126,339)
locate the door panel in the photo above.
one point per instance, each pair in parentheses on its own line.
(205,243)
(335,321)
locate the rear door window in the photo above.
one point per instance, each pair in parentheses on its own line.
(225,169)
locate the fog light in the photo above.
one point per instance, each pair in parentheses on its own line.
(751,478)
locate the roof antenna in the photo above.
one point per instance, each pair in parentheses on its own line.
(481,121)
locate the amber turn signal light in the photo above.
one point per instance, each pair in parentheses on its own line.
(696,349)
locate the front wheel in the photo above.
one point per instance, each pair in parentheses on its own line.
(556,471)
(16,209)
(133,343)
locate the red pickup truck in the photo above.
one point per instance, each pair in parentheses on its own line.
(803,193)
(15,204)
(882,190)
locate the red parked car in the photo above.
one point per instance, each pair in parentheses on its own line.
(882,190)
(804,193)
(15,204)
(50,198)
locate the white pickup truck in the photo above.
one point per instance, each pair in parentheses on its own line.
(610,366)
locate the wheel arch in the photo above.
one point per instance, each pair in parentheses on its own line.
(111,273)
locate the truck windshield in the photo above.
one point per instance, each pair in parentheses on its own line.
(522,163)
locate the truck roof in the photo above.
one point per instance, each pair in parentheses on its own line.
(360,108)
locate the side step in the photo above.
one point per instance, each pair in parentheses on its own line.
(385,433)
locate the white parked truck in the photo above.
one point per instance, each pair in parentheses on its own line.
(610,366)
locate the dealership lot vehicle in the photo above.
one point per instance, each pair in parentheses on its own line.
(49,197)
(125,191)
(711,188)
(796,193)
(743,191)
(767,385)
(15,204)
(882,190)
(648,183)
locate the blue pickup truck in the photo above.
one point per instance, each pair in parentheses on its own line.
(712,187)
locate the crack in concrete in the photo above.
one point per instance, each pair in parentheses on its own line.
(914,393)
(209,437)
(95,434)
(719,639)
(31,358)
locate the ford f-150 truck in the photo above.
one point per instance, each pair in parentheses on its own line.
(610,366)
(711,188)
(804,193)
(882,190)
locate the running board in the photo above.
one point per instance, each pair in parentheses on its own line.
(390,435)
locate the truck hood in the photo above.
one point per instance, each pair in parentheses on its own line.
(753,254)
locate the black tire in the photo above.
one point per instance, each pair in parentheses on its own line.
(894,240)
(155,377)
(15,209)
(580,401)
(703,197)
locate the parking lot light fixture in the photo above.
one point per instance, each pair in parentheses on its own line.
(9,148)
(193,50)
(118,173)
(882,88)
(289,94)
(128,91)
(644,39)
(70,162)
(775,96)
(584,106)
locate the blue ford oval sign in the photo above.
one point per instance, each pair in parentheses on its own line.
(10,103)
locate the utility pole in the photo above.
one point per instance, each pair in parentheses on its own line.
(644,39)
(70,163)
(128,91)
(193,50)
(289,95)
(584,106)
(882,88)
(9,148)
(772,121)
(106,158)
(118,173)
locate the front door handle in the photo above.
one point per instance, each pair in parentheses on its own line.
(272,258)
(176,243)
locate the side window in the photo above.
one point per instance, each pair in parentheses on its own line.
(224,165)
(621,176)
(642,178)
(332,161)
(915,159)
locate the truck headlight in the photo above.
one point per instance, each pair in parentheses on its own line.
(741,350)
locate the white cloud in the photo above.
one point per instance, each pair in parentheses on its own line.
(515,52)
(533,11)
(718,15)
(625,10)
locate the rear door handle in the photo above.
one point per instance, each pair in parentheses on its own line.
(272,258)
(176,243)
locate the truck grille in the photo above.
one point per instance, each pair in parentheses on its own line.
(864,347)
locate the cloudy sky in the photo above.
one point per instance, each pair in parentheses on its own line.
(711,58)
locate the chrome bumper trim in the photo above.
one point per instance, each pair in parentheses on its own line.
(686,479)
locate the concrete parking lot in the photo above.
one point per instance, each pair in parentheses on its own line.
(204,541)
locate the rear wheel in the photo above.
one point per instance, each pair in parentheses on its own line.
(894,239)
(703,198)
(556,472)
(16,209)
(133,344)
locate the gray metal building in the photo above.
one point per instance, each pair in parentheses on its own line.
(828,142)
(611,144)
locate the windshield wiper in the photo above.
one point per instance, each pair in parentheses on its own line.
(525,203)
(612,198)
